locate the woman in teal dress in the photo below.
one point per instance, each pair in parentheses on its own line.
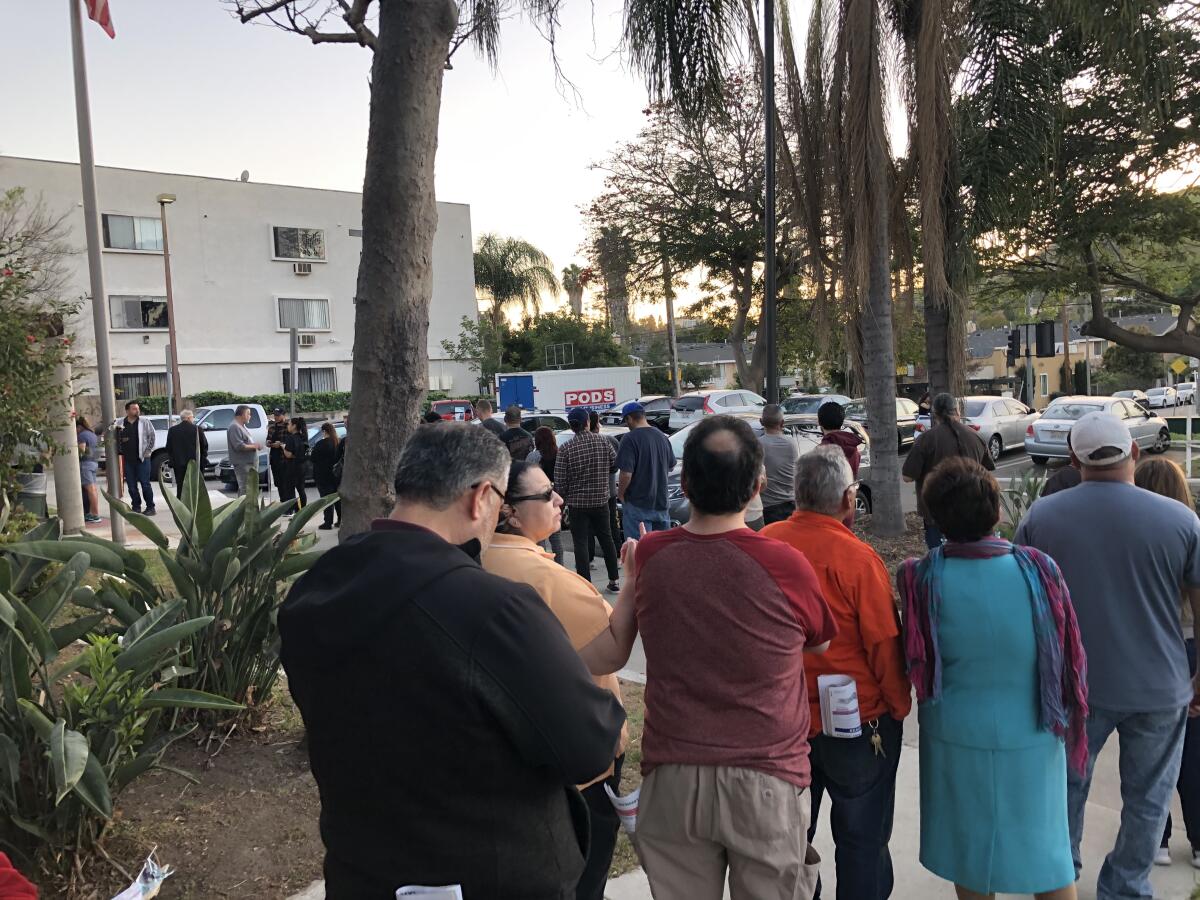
(994,654)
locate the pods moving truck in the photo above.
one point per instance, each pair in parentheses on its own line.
(561,390)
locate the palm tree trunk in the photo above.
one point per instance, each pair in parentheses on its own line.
(395,280)
(866,142)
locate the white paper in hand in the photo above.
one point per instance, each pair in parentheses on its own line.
(839,706)
(626,807)
(447,892)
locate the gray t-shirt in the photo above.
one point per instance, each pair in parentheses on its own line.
(779,456)
(238,436)
(1126,555)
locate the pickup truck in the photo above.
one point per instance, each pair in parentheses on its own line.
(213,421)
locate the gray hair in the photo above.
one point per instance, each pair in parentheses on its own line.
(186,414)
(822,477)
(772,416)
(944,406)
(441,464)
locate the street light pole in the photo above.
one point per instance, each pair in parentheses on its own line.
(176,388)
(769,324)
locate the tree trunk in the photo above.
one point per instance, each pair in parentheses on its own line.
(575,297)
(750,371)
(937,325)
(395,275)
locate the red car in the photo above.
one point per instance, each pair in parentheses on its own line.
(454,410)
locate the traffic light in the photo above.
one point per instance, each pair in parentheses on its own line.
(1014,346)
(1045,339)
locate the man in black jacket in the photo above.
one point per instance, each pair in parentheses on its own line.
(448,716)
(183,438)
(277,434)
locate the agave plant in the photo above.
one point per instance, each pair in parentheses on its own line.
(81,712)
(231,566)
(1016,499)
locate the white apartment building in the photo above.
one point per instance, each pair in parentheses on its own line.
(248,262)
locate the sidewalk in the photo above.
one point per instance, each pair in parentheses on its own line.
(135,540)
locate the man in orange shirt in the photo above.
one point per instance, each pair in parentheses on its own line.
(858,773)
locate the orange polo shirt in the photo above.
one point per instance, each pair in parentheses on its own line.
(575,602)
(858,590)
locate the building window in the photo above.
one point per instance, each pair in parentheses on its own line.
(305,314)
(132,232)
(299,243)
(311,381)
(137,312)
(1044,383)
(131,385)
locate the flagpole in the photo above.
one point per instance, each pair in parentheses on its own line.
(91,224)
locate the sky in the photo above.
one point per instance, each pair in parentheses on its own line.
(186,88)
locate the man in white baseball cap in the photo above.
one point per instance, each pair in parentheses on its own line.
(1127,556)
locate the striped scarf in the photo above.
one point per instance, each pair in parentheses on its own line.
(1062,665)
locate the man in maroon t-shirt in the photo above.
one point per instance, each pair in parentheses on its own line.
(726,616)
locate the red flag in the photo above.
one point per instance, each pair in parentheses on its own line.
(97,11)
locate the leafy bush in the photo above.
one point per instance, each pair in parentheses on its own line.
(76,726)
(231,567)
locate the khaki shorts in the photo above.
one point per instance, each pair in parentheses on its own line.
(697,822)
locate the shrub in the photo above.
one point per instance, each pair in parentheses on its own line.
(1016,499)
(231,567)
(79,724)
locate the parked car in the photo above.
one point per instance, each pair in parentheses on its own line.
(696,405)
(1000,421)
(1138,397)
(1162,397)
(534,419)
(658,411)
(454,410)
(808,404)
(225,469)
(906,419)
(1186,391)
(807,434)
(1047,437)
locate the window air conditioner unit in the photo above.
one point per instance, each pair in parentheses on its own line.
(306,340)
(302,268)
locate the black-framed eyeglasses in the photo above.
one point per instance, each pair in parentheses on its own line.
(543,497)
(499,493)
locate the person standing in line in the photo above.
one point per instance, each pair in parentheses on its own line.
(532,512)
(780,453)
(483,415)
(948,438)
(753,516)
(324,456)
(490,716)
(644,460)
(545,454)
(1128,555)
(518,441)
(1165,477)
(858,773)
(581,477)
(1065,478)
(831,417)
(243,450)
(431,418)
(994,653)
(135,442)
(614,526)
(295,451)
(88,466)
(276,438)
(726,618)
(186,444)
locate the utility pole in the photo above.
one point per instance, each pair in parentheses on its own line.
(1069,376)
(769,323)
(91,225)
(173,359)
(294,340)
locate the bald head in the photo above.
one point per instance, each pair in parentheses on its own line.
(722,460)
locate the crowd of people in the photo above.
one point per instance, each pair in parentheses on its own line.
(506,733)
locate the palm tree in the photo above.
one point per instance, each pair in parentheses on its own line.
(511,272)
(572,283)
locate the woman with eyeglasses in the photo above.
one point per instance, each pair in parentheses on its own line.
(532,511)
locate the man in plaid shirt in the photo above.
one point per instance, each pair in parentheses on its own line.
(581,477)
